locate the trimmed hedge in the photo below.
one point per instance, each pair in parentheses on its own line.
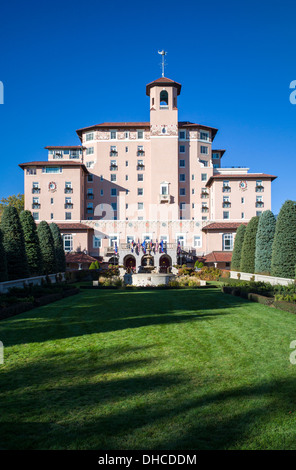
(237,249)
(247,264)
(284,245)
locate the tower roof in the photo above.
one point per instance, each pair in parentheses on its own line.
(163,81)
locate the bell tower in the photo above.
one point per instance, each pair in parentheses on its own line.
(163,94)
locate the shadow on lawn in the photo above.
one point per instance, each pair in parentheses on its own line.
(106,311)
(75,416)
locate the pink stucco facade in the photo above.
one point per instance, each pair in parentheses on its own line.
(159,180)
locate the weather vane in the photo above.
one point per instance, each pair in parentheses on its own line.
(163,62)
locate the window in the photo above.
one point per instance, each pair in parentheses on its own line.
(68,242)
(180,238)
(113,177)
(97,242)
(164,189)
(126,163)
(164,130)
(182,135)
(204,150)
(90,151)
(90,178)
(227,241)
(126,149)
(182,149)
(216,155)
(258,213)
(193,177)
(197,241)
(140,177)
(75,153)
(68,216)
(182,192)
(182,163)
(243,215)
(129,238)
(225,214)
(140,218)
(126,136)
(182,177)
(140,206)
(51,216)
(204,135)
(101,178)
(90,164)
(102,192)
(192,191)
(113,192)
(164,98)
(126,177)
(140,191)
(204,162)
(216,165)
(68,184)
(113,134)
(140,134)
(114,206)
(51,200)
(89,136)
(204,177)
(32,171)
(52,169)
(35,215)
(242,200)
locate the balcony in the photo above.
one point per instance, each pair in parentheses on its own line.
(140,153)
(205,209)
(259,204)
(89,210)
(226,204)
(35,190)
(113,153)
(36,205)
(68,205)
(89,196)
(226,189)
(113,167)
(204,194)
(164,198)
(259,188)
(68,190)
(141,167)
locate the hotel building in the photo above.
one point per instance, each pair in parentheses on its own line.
(160,180)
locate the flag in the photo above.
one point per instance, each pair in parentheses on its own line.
(115,248)
(179,247)
(144,246)
(161,246)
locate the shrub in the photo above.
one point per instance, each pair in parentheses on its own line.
(47,248)
(249,245)
(198,264)
(209,274)
(14,244)
(237,249)
(3,263)
(58,248)
(264,241)
(94,265)
(284,245)
(32,245)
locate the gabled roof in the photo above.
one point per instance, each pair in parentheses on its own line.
(219,257)
(188,124)
(79,257)
(113,125)
(54,163)
(163,81)
(240,176)
(223,226)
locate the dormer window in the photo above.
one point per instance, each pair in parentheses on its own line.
(164,130)
(164,99)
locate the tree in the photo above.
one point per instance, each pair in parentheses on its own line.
(59,248)
(47,248)
(3,262)
(249,245)
(264,241)
(283,259)
(32,245)
(16,201)
(14,244)
(237,249)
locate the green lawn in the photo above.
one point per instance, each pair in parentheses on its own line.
(178,369)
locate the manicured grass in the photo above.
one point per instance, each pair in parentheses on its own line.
(192,369)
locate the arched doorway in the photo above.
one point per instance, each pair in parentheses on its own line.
(129,262)
(113,260)
(165,264)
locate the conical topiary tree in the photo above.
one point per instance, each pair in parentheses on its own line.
(249,245)
(237,249)
(283,259)
(3,263)
(264,241)
(58,247)
(14,244)
(32,245)
(47,248)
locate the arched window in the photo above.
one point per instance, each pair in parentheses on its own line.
(164,98)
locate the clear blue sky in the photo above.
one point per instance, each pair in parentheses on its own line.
(70,64)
